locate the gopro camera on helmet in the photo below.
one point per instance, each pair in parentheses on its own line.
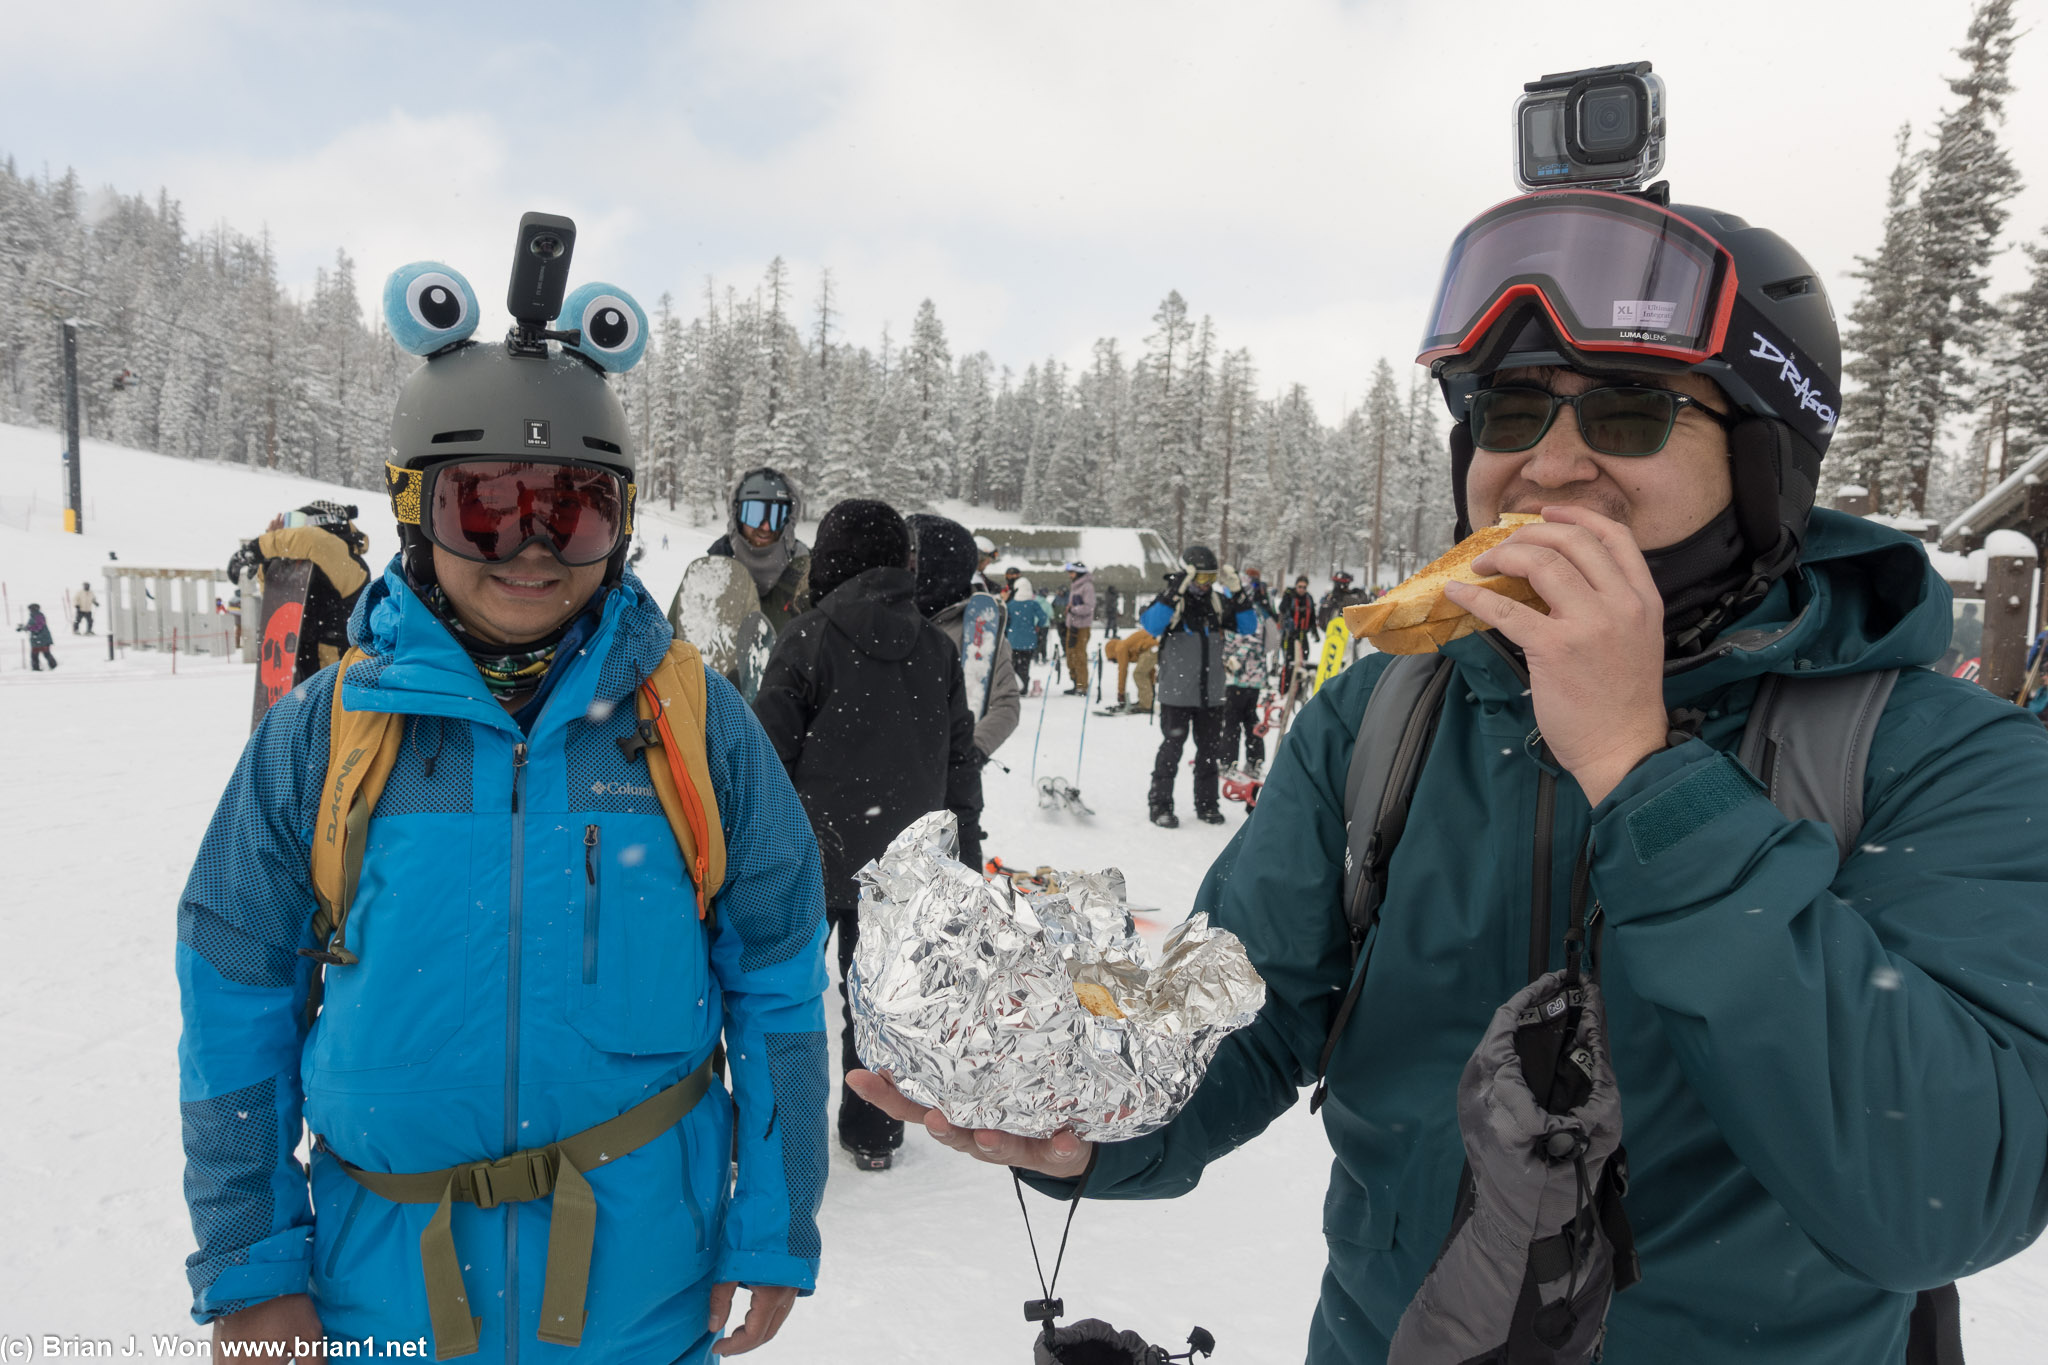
(1601,128)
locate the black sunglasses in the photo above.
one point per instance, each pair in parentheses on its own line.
(1623,419)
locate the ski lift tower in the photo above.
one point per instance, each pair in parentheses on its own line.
(74,485)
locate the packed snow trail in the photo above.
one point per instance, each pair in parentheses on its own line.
(113,771)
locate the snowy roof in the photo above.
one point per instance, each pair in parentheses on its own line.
(2004,544)
(1956,567)
(1130,557)
(1986,512)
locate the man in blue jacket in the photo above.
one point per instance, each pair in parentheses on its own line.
(1833,1066)
(527,960)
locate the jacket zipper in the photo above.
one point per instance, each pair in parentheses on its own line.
(590,859)
(1539,891)
(512,1051)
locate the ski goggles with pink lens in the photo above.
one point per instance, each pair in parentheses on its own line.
(488,511)
(1613,273)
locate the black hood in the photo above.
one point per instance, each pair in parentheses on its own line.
(877,611)
(945,561)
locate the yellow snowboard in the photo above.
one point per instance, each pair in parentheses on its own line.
(1336,651)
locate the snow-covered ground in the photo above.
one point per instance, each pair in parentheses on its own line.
(111,772)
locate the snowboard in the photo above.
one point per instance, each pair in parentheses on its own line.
(757,642)
(1336,652)
(279,666)
(710,611)
(981,631)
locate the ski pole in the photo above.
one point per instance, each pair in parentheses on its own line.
(1080,748)
(1044,696)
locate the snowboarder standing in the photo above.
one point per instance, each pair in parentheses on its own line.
(1340,596)
(1299,627)
(82,604)
(1191,619)
(1026,624)
(1078,624)
(865,704)
(761,535)
(325,534)
(523,994)
(39,638)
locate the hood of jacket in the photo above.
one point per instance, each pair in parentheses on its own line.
(877,610)
(1863,598)
(422,669)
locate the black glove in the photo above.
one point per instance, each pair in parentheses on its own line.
(980,758)
(1091,1341)
(246,559)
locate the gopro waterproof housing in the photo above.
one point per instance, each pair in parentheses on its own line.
(1601,128)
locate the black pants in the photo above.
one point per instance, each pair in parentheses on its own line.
(81,614)
(1022,663)
(1174,724)
(860,1123)
(1241,717)
(38,653)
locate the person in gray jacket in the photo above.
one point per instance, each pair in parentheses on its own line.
(1078,625)
(946,577)
(1191,619)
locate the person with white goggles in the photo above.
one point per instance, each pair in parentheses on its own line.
(761,534)
(1829,1033)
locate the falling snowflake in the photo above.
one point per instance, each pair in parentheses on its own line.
(1885,978)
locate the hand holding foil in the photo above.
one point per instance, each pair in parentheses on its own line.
(965,992)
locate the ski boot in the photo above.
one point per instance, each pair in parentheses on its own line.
(1210,817)
(1165,819)
(865,1157)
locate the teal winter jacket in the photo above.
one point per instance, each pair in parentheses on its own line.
(531,964)
(1834,1073)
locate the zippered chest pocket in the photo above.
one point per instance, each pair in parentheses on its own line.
(636,966)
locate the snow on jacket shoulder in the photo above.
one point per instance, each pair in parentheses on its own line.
(864,702)
(1835,1071)
(531,965)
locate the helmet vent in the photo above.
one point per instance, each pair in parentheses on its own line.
(442,438)
(1792,288)
(594,442)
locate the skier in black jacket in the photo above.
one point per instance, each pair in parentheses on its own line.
(865,704)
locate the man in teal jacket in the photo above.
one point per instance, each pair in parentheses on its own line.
(1833,1071)
(525,957)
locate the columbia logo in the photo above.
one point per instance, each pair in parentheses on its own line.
(619,789)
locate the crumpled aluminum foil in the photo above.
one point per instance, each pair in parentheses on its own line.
(964,992)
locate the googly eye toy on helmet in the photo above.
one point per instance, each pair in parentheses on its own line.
(1607,277)
(498,445)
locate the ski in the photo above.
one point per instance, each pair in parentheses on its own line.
(1058,792)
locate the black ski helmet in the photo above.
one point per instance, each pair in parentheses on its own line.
(1199,559)
(1779,358)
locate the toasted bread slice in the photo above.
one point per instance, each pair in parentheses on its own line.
(1417,618)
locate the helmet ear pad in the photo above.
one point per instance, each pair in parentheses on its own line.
(1776,476)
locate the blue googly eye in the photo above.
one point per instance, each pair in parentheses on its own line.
(614,326)
(427,306)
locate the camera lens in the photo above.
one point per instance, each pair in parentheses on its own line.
(545,245)
(1608,120)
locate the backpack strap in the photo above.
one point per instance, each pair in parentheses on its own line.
(672,713)
(1393,741)
(362,748)
(1808,742)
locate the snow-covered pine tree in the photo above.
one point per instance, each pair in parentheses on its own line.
(1962,210)
(1882,323)
(927,392)
(2026,315)
(1385,432)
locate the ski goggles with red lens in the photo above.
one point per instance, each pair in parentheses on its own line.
(490,510)
(1613,273)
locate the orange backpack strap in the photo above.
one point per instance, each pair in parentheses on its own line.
(671,709)
(362,748)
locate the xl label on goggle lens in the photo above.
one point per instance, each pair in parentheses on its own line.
(1655,315)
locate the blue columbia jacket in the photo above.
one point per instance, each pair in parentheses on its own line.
(531,964)
(1833,1072)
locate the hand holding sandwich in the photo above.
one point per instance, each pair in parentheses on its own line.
(1596,661)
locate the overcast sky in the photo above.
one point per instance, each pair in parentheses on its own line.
(1044,172)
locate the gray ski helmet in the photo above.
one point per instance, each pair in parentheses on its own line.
(1780,363)
(481,401)
(765,485)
